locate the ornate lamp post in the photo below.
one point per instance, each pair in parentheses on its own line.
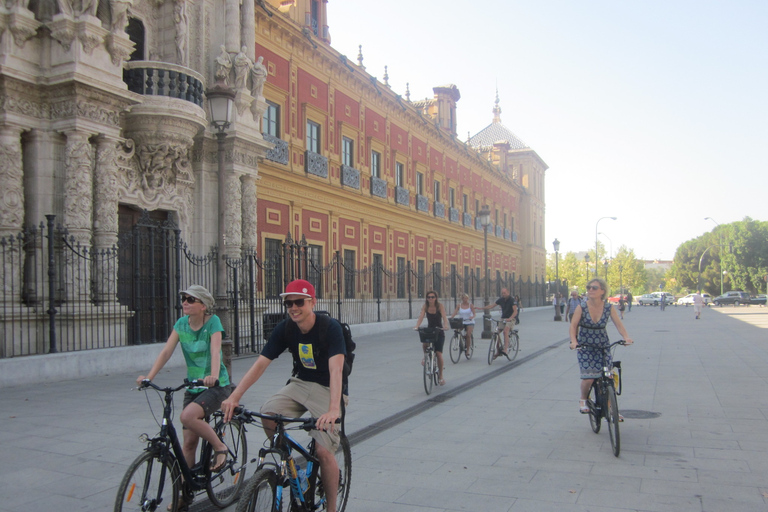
(485,219)
(597,256)
(586,264)
(621,282)
(556,245)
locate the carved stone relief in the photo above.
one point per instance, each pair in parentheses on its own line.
(78,192)
(250,213)
(11,181)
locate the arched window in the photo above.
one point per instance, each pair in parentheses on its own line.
(137,35)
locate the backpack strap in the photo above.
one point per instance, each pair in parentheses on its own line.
(322,322)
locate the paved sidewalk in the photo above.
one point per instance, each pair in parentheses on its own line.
(695,438)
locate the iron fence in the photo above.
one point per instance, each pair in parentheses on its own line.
(60,294)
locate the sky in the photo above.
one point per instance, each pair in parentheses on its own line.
(652,112)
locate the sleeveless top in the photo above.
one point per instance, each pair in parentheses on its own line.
(435,319)
(593,332)
(465,315)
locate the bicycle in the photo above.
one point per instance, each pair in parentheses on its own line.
(431,373)
(280,483)
(153,481)
(459,342)
(496,348)
(602,401)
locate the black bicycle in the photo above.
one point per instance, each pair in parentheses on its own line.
(459,343)
(430,371)
(153,481)
(602,401)
(496,348)
(284,483)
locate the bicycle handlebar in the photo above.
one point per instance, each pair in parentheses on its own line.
(620,342)
(190,384)
(307,423)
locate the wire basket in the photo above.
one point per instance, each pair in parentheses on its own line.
(456,323)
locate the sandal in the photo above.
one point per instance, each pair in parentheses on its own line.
(442,382)
(583,408)
(185,500)
(216,454)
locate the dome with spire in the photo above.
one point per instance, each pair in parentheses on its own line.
(496,132)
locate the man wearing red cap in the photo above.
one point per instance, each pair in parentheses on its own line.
(317,385)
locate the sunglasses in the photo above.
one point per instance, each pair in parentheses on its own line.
(431,296)
(289,303)
(190,299)
(593,287)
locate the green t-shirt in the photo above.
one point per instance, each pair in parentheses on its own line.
(196,346)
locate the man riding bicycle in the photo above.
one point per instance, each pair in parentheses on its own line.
(318,352)
(508,311)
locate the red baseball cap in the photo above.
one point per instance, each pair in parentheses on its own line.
(299,287)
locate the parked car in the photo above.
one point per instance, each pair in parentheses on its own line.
(615,299)
(688,299)
(758,299)
(653,299)
(734,297)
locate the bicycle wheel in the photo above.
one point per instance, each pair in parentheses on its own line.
(455,347)
(435,369)
(259,493)
(223,486)
(492,347)
(149,484)
(470,344)
(514,345)
(344,460)
(428,360)
(612,419)
(593,401)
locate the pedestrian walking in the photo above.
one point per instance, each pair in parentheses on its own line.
(622,303)
(698,302)
(629,302)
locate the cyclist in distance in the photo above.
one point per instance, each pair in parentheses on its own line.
(437,318)
(508,307)
(318,358)
(466,311)
(199,334)
(588,330)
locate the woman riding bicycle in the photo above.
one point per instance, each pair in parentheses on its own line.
(199,333)
(466,311)
(436,318)
(591,336)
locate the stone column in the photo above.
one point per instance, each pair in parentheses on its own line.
(11,212)
(250,213)
(78,213)
(248,31)
(232,25)
(233,235)
(105,226)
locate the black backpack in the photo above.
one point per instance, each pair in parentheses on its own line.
(325,320)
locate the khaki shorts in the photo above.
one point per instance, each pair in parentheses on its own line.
(298,397)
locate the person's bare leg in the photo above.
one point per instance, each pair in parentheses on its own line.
(330,475)
(193,419)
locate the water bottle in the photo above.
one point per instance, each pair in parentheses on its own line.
(303,483)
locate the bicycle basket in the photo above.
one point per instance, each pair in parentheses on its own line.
(456,323)
(428,335)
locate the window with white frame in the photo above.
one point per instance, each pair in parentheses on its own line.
(375,164)
(313,137)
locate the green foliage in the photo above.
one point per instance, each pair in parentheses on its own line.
(632,275)
(739,249)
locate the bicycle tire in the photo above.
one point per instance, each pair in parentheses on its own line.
(344,460)
(427,370)
(514,346)
(593,401)
(150,483)
(222,487)
(492,348)
(259,493)
(455,347)
(435,369)
(469,343)
(612,419)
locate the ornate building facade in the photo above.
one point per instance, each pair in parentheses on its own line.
(359,169)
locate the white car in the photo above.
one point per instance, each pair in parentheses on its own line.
(688,299)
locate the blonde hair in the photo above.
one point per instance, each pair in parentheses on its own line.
(603,286)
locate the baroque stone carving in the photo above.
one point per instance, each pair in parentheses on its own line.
(182,24)
(120,14)
(233,212)
(223,66)
(12,185)
(250,213)
(106,194)
(161,165)
(242,67)
(78,190)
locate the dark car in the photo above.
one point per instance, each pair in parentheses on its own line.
(759,299)
(736,298)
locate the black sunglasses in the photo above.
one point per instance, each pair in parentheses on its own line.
(593,287)
(190,299)
(289,303)
(431,296)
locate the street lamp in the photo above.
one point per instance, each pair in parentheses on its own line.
(596,255)
(621,282)
(556,245)
(610,244)
(485,219)
(605,264)
(220,100)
